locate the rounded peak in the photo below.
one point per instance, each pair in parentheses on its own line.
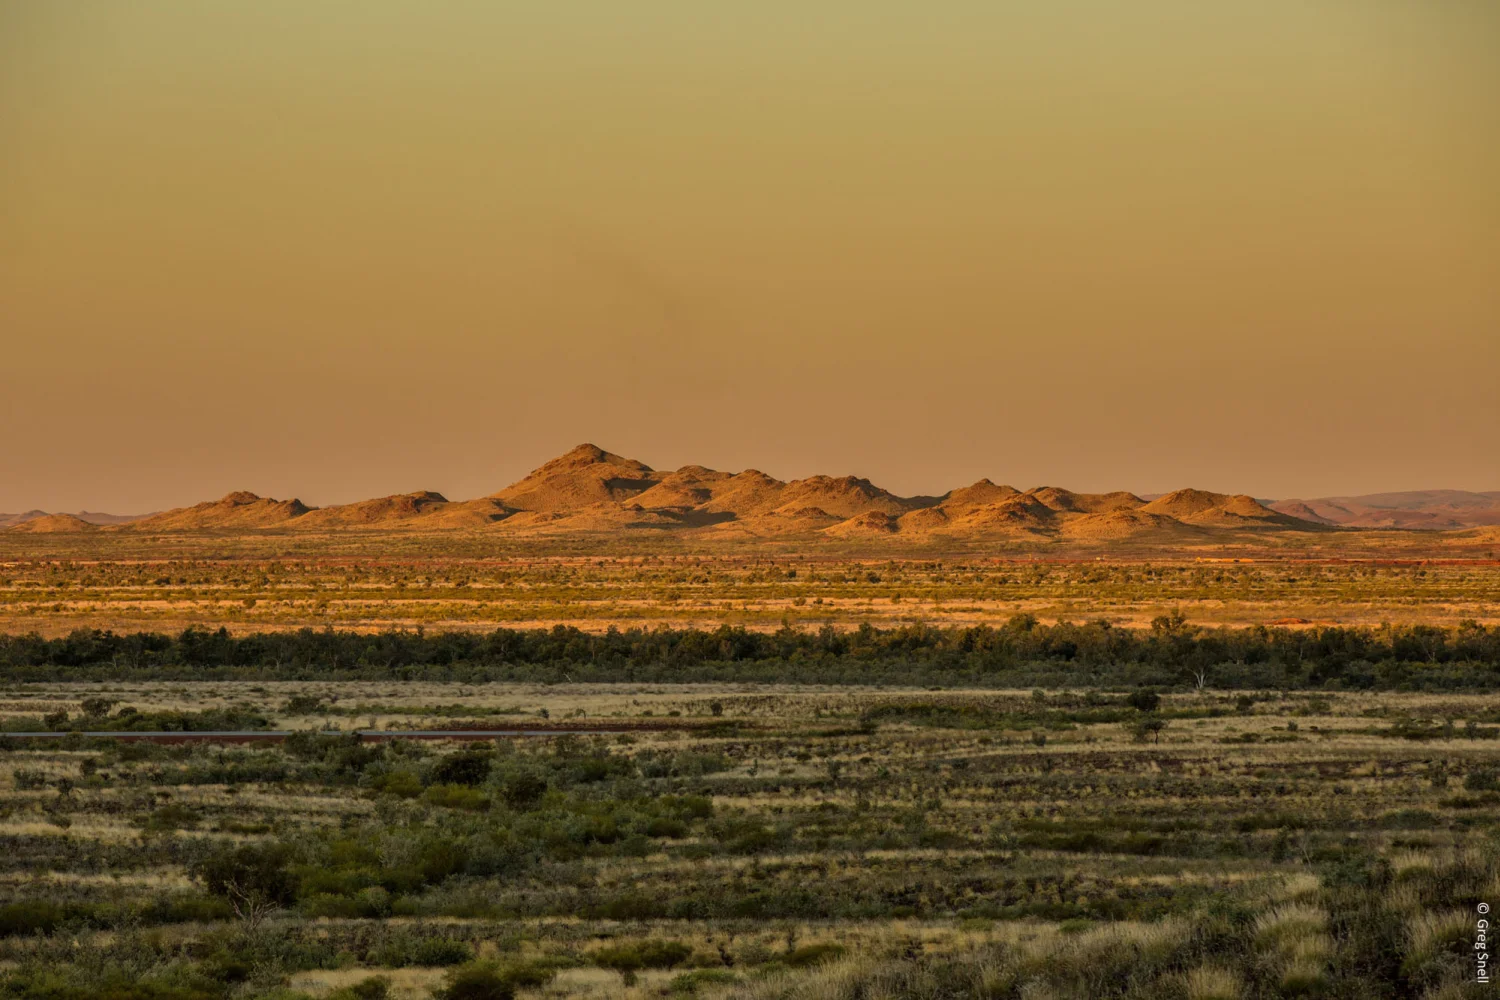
(690,475)
(1191,494)
(239,498)
(54,524)
(1067,501)
(836,482)
(1119,523)
(981,492)
(584,454)
(1055,497)
(1201,504)
(1246,506)
(809,512)
(1185,501)
(869,522)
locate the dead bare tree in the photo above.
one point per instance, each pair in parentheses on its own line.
(251,905)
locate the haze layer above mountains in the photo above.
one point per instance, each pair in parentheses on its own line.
(592,490)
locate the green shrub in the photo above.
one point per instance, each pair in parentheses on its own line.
(172,816)
(457,797)
(663,954)
(113,985)
(303,704)
(626,958)
(402,784)
(475,982)
(688,983)
(814,954)
(1147,729)
(522,790)
(185,908)
(97,708)
(405,949)
(30,916)
(622,958)
(370,988)
(441,952)
(492,981)
(666,827)
(528,974)
(253,879)
(467,767)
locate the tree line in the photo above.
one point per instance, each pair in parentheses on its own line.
(1023,651)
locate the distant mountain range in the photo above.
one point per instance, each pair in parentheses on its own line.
(1438,510)
(86,516)
(592,490)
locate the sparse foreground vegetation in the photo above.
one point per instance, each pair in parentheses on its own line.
(793,842)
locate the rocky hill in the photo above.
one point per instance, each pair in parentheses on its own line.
(590,490)
(235,511)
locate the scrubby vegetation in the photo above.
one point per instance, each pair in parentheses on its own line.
(454,583)
(838,843)
(1023,651)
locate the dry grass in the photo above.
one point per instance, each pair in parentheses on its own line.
(1432,931)
(405,984)
(1210,982)
(126,590)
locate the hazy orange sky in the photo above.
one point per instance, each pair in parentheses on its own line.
(339,250)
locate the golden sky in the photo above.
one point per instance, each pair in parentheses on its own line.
(342,249)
